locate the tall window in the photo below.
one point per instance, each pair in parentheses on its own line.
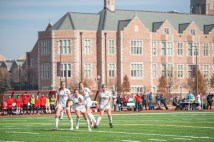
(88,70)
(136,47)
(205,49)
(170,48)
(87,47)
(189,49)
(136,89)
(154,48)
(65,70)
(192,31)
(169,70)
(180,71)
(111,70)
(136,70)
(180,49)
(206,70)
(154,70)
(163,70)
(190,67)
(45,47)
(163,49)
(166,30)
(111,46)
(65,46)
(45,71)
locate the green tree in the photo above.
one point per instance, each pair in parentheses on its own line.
(126,87)
(4,80)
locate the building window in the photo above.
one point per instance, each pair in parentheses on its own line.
(189,49)
(195,49)
(136,70)
(111,70)
(205,49)
(180,49)
(65,46)
(163,70)
(170,48)
(190,68)
(45,48)
(192,32)
(154,70)
(136,89)
(169,70)
(45,71)
(166,31)
(87,47)
(65,70)
(206,71)
(180,71)
(163,49)
(88,70)
(154,48)
(136,47)
(111,46)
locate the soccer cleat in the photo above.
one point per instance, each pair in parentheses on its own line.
(95,126)
(77,127)
(89,129)
(71,129)
(111,126)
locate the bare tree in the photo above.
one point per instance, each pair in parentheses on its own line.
(162,85)
(126,87)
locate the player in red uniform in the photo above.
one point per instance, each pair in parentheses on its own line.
(42,103)
(25,101)
(37,103)
(9,105)
(18,104)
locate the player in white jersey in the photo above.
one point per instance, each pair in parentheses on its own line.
(105,99)
(79,107)
(86,92)
(61,101)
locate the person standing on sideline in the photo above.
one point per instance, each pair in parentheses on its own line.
(138,100)
(32,104)
(42,103)
(86,92)
(209,101)
(25,101)
(199,101)
(47,108)
(62,96)
(18,104)
(149,99)
(163,101)
(114,97)
(37,103)
(190,98)
(79,107)
(158,101)
(9,105)
(143,98)
(52,101)
(105,99)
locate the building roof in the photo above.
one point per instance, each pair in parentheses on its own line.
(8,64)
(114,21)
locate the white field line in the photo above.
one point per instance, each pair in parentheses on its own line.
(10,141)
(129,141)
(23,133)
(183,139)
(158,140)
(179,113)
(10,128)
(147,134)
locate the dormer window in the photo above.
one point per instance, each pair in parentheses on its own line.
(166,31)
(192,31)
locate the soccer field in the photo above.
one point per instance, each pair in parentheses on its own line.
(128,127)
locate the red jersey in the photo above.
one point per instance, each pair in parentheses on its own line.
(37,103)
(4,105)
(124,99)
(9,103)
(137,98)
(18,102)
(25,99)
(42,100)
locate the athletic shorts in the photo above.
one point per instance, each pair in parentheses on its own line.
(81,109)
(61,106)
(104,107)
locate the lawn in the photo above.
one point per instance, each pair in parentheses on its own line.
(129,127)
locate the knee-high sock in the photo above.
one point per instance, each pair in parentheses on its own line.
(98,120)
(61,114)
(77,123)
(56,122)
(110,119)
(91,117)
(71,123)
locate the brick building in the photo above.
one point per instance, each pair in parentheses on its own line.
(104,47)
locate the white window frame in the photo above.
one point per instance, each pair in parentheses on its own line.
(188,71)
(111,46)
(180,68)
(154,48)
(45,71)
(163,48)
(180,49)
(206,49)
(192,31)
(65,46)
(136,47)
(88,70)
(45,47)
(111,70)
(87,46)
(154,70)
(206,70)
(170,48)
(166,30)
(136,89)
(137,71)
(66,70)
(164,67)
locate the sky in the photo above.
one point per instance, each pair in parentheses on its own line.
(21,20)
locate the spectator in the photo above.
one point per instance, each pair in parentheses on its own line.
(158,101)
(175,103)
(32,104)
(114,97)
(144,102)
(9,105)
(25,101)
(209,101)
(4,107)
(124,99)
(149,99)
(199,101)
(190,98)
(138,100)
(163,101)
(37,103)
(18,104)
(42,103)
(52,102)
(48,109)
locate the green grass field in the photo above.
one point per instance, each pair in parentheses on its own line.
(130,127)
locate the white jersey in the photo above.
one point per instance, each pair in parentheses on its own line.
(77,100)
(86,93)
(62,96)
(104,98)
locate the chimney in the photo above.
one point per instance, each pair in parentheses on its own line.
(110,5)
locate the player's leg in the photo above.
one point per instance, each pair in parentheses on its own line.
(84,113)
(90,115)
(77,119)
(99,118)
(59,109)
(109,117)
(70,118)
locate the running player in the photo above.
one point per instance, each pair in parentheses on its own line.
(62,96)
(79,107)
(86,92)
(105,99)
